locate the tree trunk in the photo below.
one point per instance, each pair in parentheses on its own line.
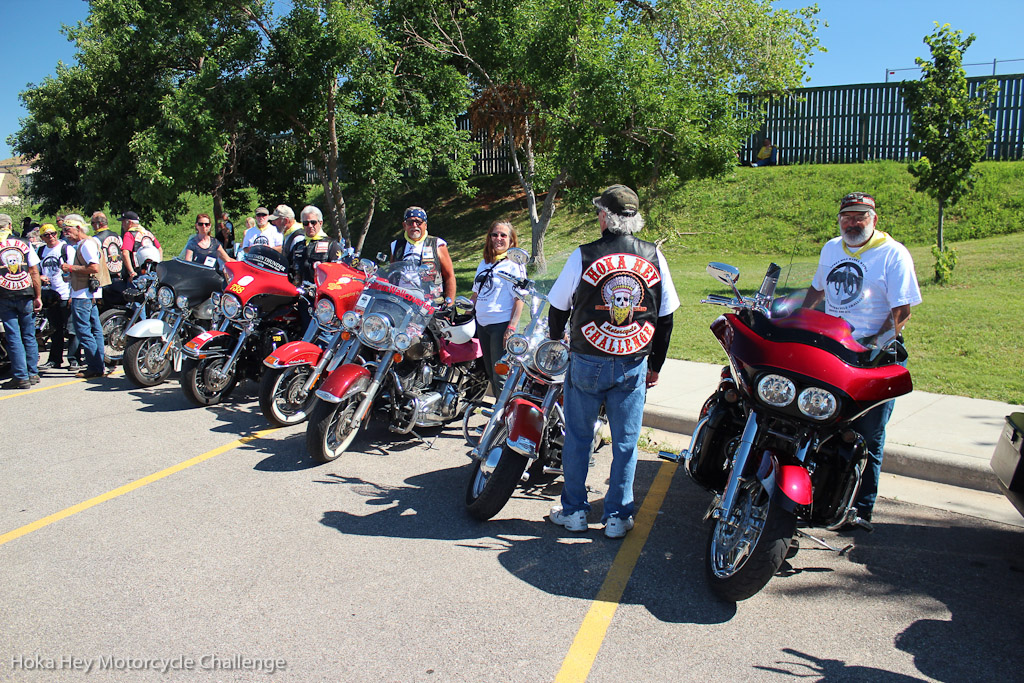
(336,196)
(365,228)
(942,246)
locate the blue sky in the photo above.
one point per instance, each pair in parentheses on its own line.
(863,40)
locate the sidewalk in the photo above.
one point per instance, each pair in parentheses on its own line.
(945,439)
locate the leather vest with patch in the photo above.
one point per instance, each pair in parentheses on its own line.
(427,257)
(15,279)
(110,251)
(615,308)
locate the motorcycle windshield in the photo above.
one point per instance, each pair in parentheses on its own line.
(195,281)
(417,280)
(396,301)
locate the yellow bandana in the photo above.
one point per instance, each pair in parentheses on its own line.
(877,239)
(417,242)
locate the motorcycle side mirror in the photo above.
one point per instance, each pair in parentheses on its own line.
(517,256)
(464,303)
(381,258)
(724,273)
(368,266)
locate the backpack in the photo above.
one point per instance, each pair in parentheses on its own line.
(63,252)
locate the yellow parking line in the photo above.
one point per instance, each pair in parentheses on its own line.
(54,386)
(138,483)
(578,662)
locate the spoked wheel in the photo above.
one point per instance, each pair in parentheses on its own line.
(204,382)
(475,420)
(748,545)
(332,426)
(282,399)
(489,491)
(143,364)
(114,322)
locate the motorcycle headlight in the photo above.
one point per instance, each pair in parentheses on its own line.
(231,306)
(250,312)
(551,357)
(325,313)
(375,328)
(165,297)
(402,341)
(350,320)
(517,345)
(817,403)
(776,390)
(215,299)
(182,301)
(151,292)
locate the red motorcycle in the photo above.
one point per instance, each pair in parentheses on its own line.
(294,371)
(774,442)
(256,314)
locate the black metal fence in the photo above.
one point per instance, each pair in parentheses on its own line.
(851,123)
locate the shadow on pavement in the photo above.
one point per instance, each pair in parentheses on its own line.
(824,670)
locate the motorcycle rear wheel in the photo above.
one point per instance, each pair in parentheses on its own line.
(199,384)
(332,426)
(142,364)
(280,398)
(114,322)
(747,547)
(487,494)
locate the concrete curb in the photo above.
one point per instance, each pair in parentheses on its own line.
(901,459)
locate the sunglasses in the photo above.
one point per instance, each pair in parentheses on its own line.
(201,223)
(499,234)
(308,223)
(413,221)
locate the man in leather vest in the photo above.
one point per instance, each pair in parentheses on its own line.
(427,250)
(110,243)
(618,294)
(20,295)
(88,263)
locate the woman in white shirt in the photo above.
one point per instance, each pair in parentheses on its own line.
(497,308)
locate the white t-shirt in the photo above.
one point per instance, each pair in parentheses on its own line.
(270,236)
(564,289)
(49,266)
(495,297)
(862,287)
(90,254)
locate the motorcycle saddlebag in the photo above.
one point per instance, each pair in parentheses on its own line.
(1008,459)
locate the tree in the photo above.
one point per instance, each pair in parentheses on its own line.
(587,91)
(948,127)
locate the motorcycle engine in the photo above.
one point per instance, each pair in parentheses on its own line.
(448,404)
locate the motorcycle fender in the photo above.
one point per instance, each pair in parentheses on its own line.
(208,344)
(150,327)
(339,381)
(525,426)
(792,481)
(293,354)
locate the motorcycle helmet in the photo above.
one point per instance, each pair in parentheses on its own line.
(459,330)
(146,255)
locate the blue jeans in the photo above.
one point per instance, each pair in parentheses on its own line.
(621,385)
(871,426)
(20,336)
(90,335)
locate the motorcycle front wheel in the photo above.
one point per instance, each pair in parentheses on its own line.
(143,364)
(203,382)
(748,544)
(114,322)
(487,493)
(281,397)
(332,426)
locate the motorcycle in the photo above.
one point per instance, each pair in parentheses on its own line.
(181,295)
(124,303)
(523,437)
(774,443)
(425,363)
(256,314)
(295,370)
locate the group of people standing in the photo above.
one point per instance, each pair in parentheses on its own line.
(615,294)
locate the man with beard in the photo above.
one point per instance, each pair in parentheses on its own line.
(420,249)
(866,278)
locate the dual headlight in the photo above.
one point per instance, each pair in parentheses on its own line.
(165,297)
(324,313)
(814,402)
(375,329)
(517,345)
(551,357)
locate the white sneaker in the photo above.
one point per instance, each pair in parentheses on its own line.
(577,521)
(617,527)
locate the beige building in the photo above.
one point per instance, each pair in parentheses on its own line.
(15,174)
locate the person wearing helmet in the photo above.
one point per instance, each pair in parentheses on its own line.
(426,250)
(203,247)
(497,308)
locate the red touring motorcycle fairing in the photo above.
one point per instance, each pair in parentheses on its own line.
(295,370)
(774,442)
(417,362)
(255,315)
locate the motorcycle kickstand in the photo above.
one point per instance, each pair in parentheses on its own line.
(823,544)
(428,444)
